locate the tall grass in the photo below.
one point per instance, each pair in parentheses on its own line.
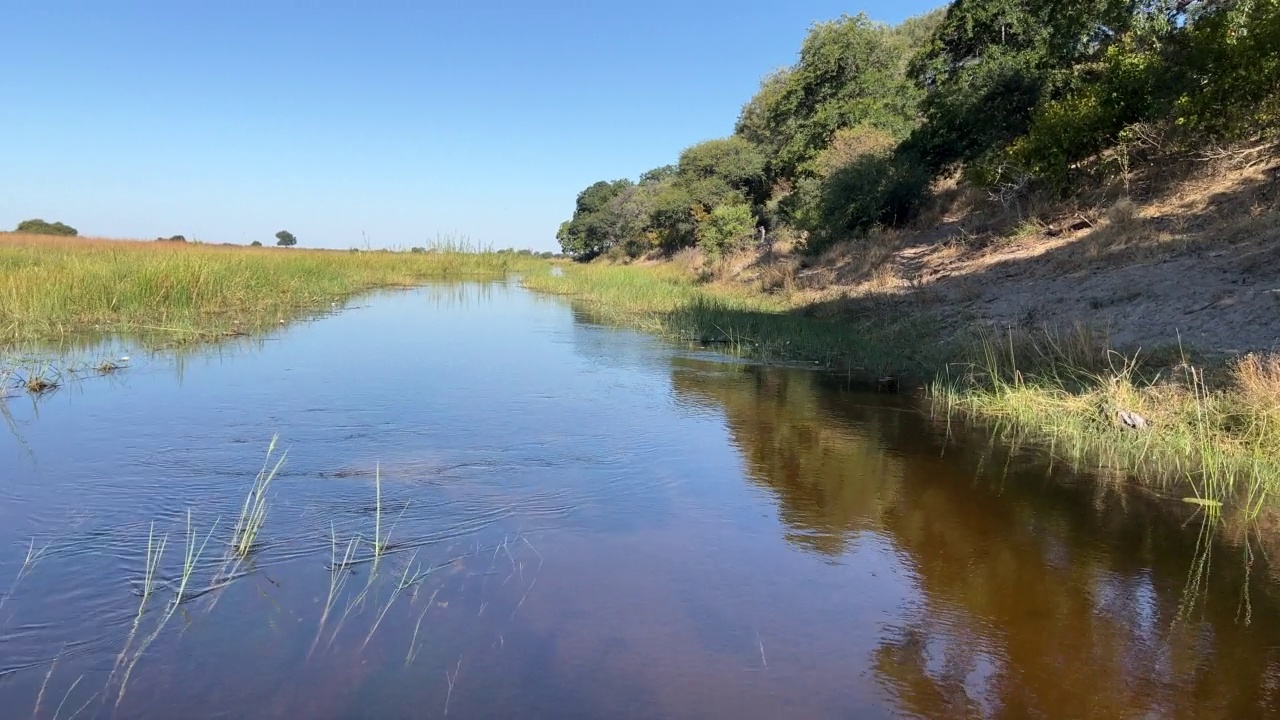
(1210,439)
(669,300)
(58,287)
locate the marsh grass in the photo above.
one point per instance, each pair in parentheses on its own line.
(1210,438)
(253,514)
(667,300)
(29,561)
(54,288)
(1211,434)
(129,656)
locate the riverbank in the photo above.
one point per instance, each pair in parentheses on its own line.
(1136,341)
(53,289)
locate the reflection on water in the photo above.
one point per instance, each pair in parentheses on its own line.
(494,508)
(1033,600)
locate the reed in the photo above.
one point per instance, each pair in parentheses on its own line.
(1210,436)
(129,658)
(253,514)
(54,288)
(742,321)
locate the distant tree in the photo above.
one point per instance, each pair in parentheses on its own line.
(255,243)
(417,250)
(40,227)
(172,238)
(284,238)
(593,228)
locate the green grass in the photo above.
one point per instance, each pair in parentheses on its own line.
(667,300)
(253,514)
(1211,438)
(59,288)
(1211,441)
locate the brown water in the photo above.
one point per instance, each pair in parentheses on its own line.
(583,522)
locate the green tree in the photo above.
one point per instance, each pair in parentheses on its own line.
(255,243)
(40,227)
(593,228)
(726,228)
(990,62)
(852,71)
(284,238)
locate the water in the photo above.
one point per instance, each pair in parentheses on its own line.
(583,522)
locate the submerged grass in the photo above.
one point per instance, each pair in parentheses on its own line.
(52,288)
(1210,438)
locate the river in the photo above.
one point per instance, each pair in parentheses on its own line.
(491,507)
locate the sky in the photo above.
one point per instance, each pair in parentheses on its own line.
(386,124)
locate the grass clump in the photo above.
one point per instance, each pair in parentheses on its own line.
(254,512)
(52,288)
(1208,438)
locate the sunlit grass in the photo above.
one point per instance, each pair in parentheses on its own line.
(53,288)
(1210,442)
(668,300)
(253,514)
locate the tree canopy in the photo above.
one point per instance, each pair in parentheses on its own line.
(853,135)
(284,238)
(40,227)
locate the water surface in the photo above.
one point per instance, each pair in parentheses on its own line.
(582,522)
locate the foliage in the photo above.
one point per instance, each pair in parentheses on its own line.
(284,238)
(726,228)
(255,243)
(40,227)
(593,227)
(853,135)
(851,72)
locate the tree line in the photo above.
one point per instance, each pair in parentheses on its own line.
(1023,94)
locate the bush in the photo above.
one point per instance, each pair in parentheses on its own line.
(726,228)
(255,243)
(874,191)
(173,238)
(40,227)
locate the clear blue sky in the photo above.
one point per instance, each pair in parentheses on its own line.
(229,120)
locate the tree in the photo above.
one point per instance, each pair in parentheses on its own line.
(851,71)
(726,228)
(593,228)
(990,62)
(284,238)
(40,227)
(255,243)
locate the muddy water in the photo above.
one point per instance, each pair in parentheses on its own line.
(581,522)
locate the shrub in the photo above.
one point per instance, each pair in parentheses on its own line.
(726,228)
(875,189)
(40,227)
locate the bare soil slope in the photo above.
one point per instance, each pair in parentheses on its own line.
(1196,261)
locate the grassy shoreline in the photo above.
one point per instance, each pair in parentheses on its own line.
(1211,433)
(53,288)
